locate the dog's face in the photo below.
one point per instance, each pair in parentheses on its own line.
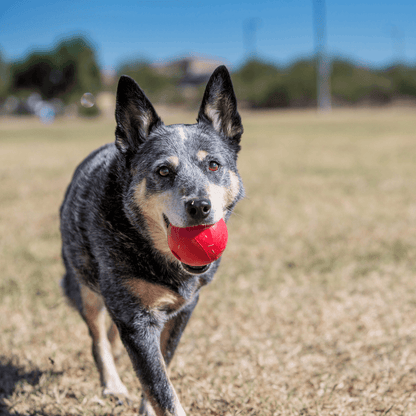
(184,175)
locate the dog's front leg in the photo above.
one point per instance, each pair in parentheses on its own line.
(141,337)
(173,330)
(169,340)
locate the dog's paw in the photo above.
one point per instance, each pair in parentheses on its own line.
(119,392)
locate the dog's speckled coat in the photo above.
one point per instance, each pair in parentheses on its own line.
(114,222)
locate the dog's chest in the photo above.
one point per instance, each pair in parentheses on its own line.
(157,298)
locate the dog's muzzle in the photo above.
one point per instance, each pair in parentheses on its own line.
(187,267)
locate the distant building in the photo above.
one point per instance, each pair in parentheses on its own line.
(192,70)
(108,76)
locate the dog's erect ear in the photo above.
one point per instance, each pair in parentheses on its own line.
(219,105)
(135,115)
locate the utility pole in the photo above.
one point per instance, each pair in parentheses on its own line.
(250,27)
(397,41)
(323,64)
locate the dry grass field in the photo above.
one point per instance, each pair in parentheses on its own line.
(313,311)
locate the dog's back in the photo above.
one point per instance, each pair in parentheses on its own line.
(78,212)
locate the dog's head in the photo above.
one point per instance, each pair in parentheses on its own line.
(183,175)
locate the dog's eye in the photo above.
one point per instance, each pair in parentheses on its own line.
(213,166)
(164,171)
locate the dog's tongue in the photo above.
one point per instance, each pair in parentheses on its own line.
(200,245)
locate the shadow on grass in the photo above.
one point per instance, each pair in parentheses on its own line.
(12,374)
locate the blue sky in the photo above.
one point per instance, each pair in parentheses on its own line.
(371,32)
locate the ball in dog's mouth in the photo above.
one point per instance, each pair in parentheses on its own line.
(187,267)
(199,246)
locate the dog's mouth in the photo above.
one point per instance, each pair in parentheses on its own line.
(187,267)
(195,269)
(165,218)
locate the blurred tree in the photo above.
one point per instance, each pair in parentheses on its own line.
(157,86)
(4,77)
(254,69)
(300,82)
(66,72)
(263,85)
(353,84)
(260,84)
(70,69)
(403,80)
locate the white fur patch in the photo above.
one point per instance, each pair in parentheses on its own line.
(214,115)
(182,134)
(217,195)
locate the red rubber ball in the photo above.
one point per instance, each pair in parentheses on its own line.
(199,245)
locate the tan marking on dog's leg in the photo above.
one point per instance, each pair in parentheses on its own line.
(149,402)
(94,315)
(165,335)
(115,340)
(146,408)
(178,409)
(201,155)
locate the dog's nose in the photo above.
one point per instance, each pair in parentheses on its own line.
(198,209)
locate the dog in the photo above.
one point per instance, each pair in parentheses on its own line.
(114,224)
